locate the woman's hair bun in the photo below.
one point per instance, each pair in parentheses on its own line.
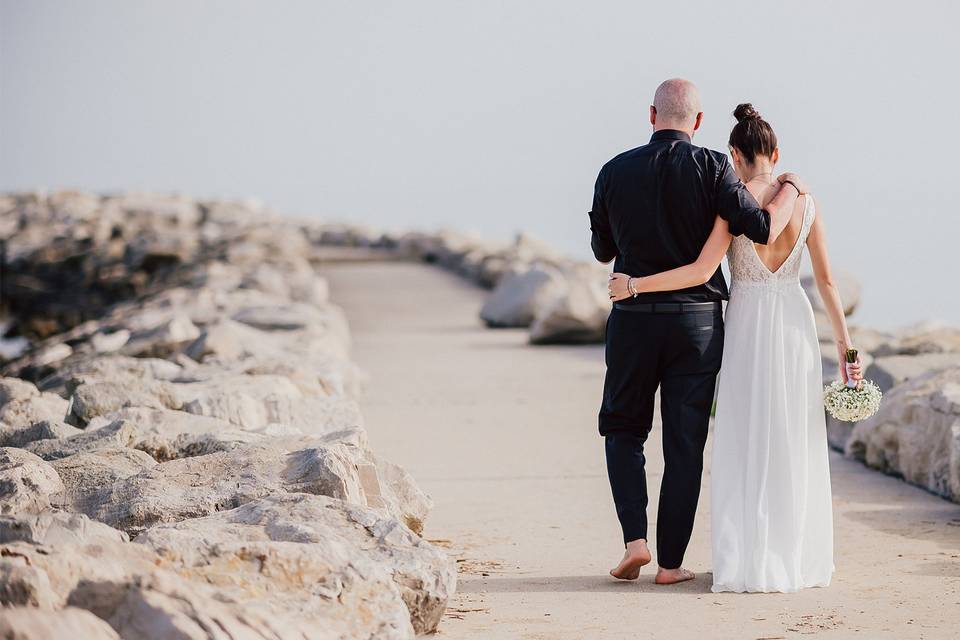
(745,111)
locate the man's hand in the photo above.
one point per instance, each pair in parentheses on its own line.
(796,180)
(617,286)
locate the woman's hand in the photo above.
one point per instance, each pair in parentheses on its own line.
(617,286)
(855,368)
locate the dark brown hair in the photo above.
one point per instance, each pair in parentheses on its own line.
(752,135)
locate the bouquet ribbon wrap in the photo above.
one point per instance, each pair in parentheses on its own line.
(851,359)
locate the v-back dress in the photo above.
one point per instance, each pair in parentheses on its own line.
(771,516)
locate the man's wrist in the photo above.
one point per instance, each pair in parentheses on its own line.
(791,183)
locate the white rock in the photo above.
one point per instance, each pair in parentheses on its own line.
(99,398)
(109,342)
(847,284)
(889,371)
(171,335)
(85,475)
(577,316)
(54,527)
(16,389)
(52,354)
(26,482)
(274,545)
(28,623)
(254,401)
(516,299)
(116,434)
(42,430)
(22,412)
(193,487)
(916,433)
(163,605)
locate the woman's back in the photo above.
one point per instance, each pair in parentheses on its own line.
(775,254)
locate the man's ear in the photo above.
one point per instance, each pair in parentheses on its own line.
(696,124)
(653,115)
(735,155)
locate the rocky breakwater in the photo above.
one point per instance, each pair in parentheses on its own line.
(181,449)
(916,433)
(560,300)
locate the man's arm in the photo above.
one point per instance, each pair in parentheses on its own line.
(601,237)
(740,209)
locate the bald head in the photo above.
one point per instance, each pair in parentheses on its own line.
(677,104)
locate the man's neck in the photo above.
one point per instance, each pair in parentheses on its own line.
(672,127)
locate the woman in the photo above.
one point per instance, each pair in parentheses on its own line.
(771,518)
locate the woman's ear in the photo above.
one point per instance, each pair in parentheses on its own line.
(735,155)
(775,156)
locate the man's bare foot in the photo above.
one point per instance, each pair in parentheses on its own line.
(635,556)
(673,576)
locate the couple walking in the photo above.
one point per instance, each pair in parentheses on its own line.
(666,213)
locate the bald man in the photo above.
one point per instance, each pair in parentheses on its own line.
(653,209)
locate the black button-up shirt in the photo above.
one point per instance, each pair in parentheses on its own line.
(654,208)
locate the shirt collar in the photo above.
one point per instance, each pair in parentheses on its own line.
(669,134)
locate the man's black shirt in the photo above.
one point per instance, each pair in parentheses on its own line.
(655,206)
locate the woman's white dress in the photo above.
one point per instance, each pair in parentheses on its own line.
(771,517)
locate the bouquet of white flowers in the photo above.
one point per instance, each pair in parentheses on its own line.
(852,402)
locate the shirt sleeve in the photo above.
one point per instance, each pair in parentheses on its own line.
(601,237)
(739,208)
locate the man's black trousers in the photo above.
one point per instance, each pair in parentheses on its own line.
(679,352)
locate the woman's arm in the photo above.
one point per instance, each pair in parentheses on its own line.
(690,275)
(817,246)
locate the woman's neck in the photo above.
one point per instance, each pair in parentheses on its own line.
(760,171)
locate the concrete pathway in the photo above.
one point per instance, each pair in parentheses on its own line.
(503,436)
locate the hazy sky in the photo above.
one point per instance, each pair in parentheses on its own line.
(494,116)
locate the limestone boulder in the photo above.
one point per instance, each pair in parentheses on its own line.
(312,552)
(577,316)
(890,371)
(921,340)
(116,434)
(28,623)
(126,585)
(16,389)
(98,398)
(48,576)
(198,486)
(26,482)
(516,299)
(168,336)
(389,486)
(85,475)
(871,340)
(109,341)
(19,413)
(161,605)
(166,434)
(42,430)
(847,284)
(255,401)
(916,433)
(54,527)
(110,368)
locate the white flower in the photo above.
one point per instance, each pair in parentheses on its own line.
(852,405)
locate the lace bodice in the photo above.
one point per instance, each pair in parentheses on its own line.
(746,268)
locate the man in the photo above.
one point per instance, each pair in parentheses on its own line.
(653,209)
